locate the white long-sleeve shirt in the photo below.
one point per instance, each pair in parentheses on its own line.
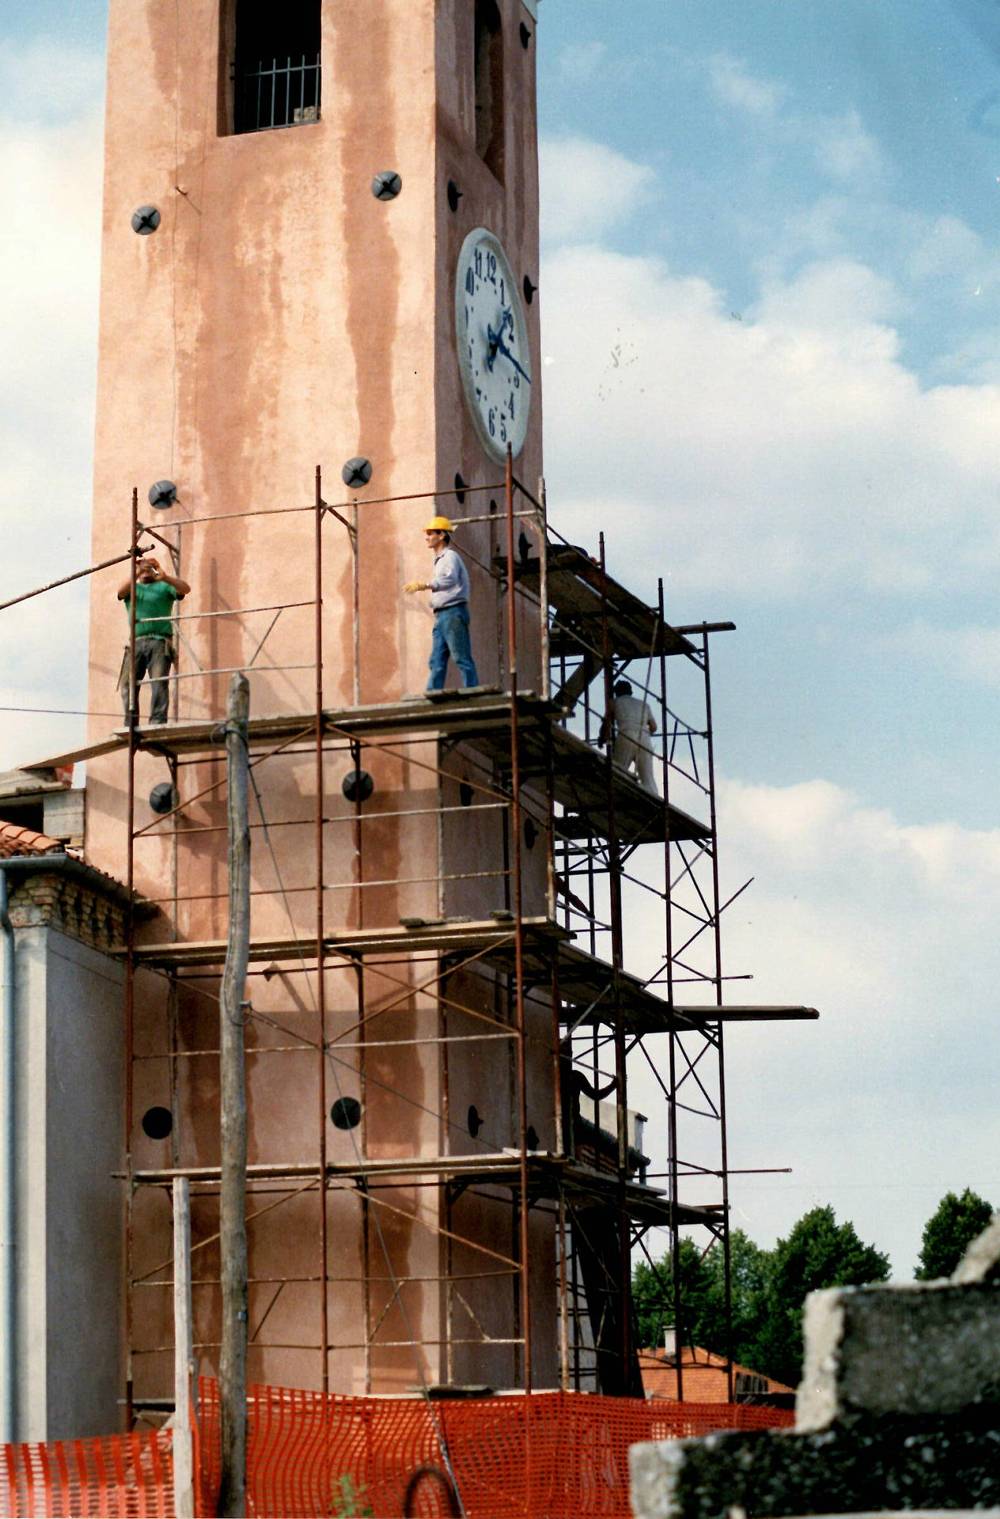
(450,581)
(633,718)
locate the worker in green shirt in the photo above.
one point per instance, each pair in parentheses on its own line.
(155,594)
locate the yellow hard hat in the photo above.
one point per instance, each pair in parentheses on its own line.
(439,525)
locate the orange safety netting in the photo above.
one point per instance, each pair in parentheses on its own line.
(118,1476)
(548,1456)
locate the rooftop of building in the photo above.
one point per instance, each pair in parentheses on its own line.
(22,783)
(704,1380)
(16,841)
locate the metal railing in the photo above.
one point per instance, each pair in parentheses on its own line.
(278,92)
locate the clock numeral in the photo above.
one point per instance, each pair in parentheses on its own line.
(517,380)
(479,263)
(503,298)
(503,428)
(491,268)
(492,422)
(510,408)
(470,285)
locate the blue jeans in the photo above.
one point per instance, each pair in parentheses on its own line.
(451,637)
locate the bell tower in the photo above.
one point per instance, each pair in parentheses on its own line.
(287,193)
(320,249)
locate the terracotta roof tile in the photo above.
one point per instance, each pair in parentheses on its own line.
(15,840)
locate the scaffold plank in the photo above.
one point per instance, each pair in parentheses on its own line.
(580,787)
(458,713)
(445,712)
(548,1175)
(578,594)
(446,937)
(588,993)
(748,1013)
(77,756)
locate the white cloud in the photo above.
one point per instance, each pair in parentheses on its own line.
(976,359)
(840,144)
(581,62)
(46,81)
(734,85)
(946,247)
(945,270)
(968,653)
(844,149)
(587,188)
(888,929)
(790,453)
(830,295)
(49,255)
(819,831)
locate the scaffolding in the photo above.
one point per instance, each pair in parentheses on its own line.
(583,871)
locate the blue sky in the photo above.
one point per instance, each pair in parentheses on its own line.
(780,220)
(779,137)
(771,309)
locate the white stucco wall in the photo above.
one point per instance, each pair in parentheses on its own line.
(70,1091)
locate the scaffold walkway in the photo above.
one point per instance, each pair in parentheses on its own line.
(557,975)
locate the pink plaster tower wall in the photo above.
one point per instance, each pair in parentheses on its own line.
(280,318)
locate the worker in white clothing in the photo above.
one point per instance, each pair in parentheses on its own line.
(630,724)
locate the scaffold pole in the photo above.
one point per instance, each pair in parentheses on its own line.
(232,1081)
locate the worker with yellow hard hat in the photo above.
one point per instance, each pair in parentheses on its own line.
(449,588)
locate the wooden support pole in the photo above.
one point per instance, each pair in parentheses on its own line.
(232,1223)
(183,1444)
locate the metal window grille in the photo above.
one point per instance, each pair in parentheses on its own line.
(278,92)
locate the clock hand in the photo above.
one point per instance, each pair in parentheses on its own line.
(501,345)
(494,341)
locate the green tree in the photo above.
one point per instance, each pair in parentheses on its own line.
(653,1297)
(748,1275)
(703,1296)
(769,1288)
(818,1252)
(949,1231)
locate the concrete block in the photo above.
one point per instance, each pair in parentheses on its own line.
(860,1466)
(981,1262)
(911,1350)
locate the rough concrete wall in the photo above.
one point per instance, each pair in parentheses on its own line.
(69,1141)
(894,1464)
(84,1202)
(898,1350)
(31,1177)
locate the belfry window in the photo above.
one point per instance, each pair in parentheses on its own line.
(489,85)
(274,64)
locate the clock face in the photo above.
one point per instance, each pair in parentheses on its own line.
(493,352)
